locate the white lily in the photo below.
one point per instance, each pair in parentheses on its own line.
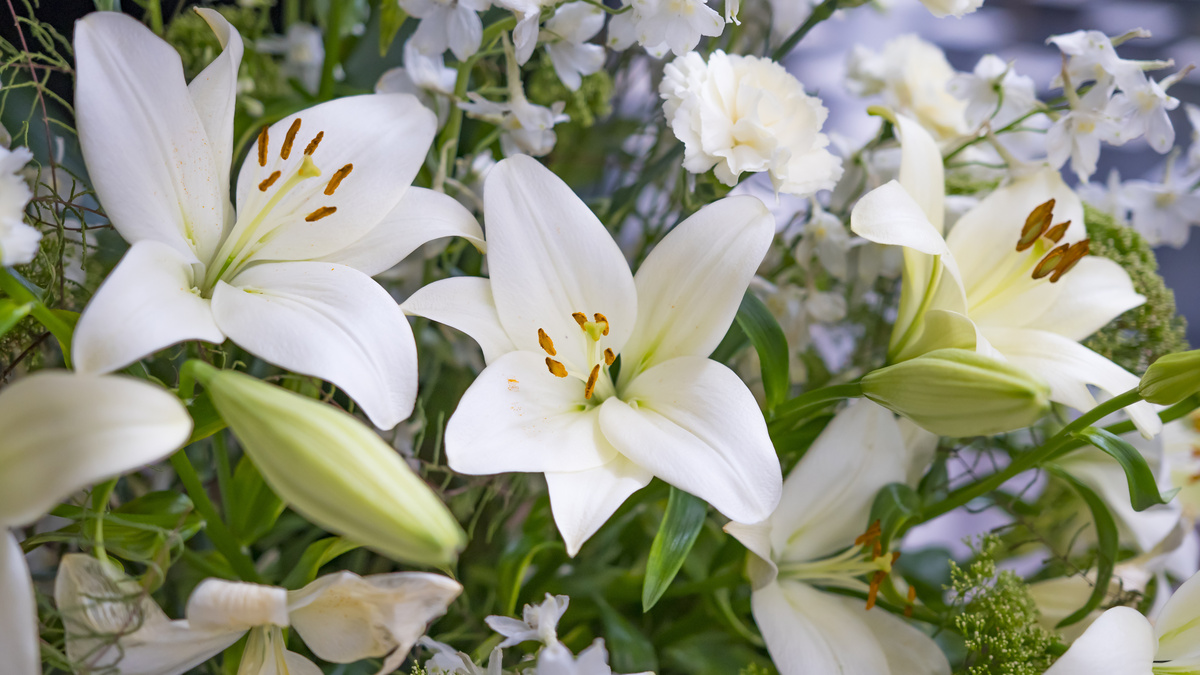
(1123,642)
(566,36)
(323,203)
(561,299)
(62,433)
(1001,283)
(342,617)
(809,542)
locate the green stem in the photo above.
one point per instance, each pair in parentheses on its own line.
(59,328)
(220,535)
(154,14)
(100,496)
(819,13)
(291,13)
(333,23)
(791,410)
(224,474)
(454,124)
(1171,414)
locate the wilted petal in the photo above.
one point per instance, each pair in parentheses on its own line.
(64,432)
(1120,642)
(214,93)
(18,610)
(582,501)
(147,303)
(516,416)
(329,321)
(466,304)
(690,286)
(217,604)
(697,426)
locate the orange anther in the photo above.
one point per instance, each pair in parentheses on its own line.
(591,383)
(286,150)
(320,213)
(546,343)
(262,147)
(268,182)
(556,368)
(336,180)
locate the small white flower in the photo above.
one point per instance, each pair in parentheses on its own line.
(1077,134)
(525,34)
(446,660)
(453,24)
(303,51)
(677,23)
(826,237)
(528,128)
(1110,198)
(566,35)
(1164,212)
(425,77)
(540,623)
(1141,109)
(913,77)
(556,659)
(1092,58)
(1193,116)
(739,114)
(955,8)
(994,92)
(18,241)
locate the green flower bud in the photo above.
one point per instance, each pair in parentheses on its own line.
(957,392)
(334,470)
(1171,378)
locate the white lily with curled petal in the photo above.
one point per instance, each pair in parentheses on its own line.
(809,542)
(60,433)
(116,627)
(323,203)
(1124,642)
(560,306)
(1012,279)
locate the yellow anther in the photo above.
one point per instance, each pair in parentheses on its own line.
(546,343)
(288,140)
(262,147)
(1036,224)
(337,178)
(556,368)
(1050,262)
(320,213)
(580,318)
(873,532)
(1055,233)
(269,181)
(308,169)
(1071,259)
(312,145)
(603,320)
(591,383)
(609,357)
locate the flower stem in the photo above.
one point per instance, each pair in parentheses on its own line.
(53,323)
(333,23)
(820,13)
(100,496)
(794,409)
(217,531)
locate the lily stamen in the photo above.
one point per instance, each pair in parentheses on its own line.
(556,369)
(1074,254)
(262,147)
(320,213)
(1050,262)
(1035,225)
(312,145)
(263,186)
(602,320)
(337,178)
(609,357)
(580,318)
(546,343)
(1055,233)
(286,150)
(591,382)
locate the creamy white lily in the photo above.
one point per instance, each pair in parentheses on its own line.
(1012,279)
(61,433)
(323,203)
(809,542)
(342,617)
(1123,642)
(560,307)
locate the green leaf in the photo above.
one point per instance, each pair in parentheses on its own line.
(254,507)
(1143,489)
(138,530)
(1107,542)
(206,421)
(680,526)
(391,17)
(772,347)
(317,555)
(513,566)
(11,313)
(895,504)
(630,651)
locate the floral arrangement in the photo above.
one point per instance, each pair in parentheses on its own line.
(337,334)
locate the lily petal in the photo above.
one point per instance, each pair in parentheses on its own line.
(146,149)
(889,215)
(582,501)
(698,427)
(146,304)
(214,93)
(1069,367)
(466,304)
(921,172)
(1097,291)
(18,610)
(690,286)
(908,650)
(516,416)
(549,256)
(1147,528)
(812,633)
(757,539)
(329,321)
(1120,642)
(221,605)
(63,432)
(382,138)
(827,498)
(1176,627)
(421,216)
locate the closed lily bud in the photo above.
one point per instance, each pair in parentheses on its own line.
(957,392)
(1172,378)
(334,470)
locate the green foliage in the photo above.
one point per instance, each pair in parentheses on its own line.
(998,619)
(1138,337)
(584,107)
(190,35)
(757,669)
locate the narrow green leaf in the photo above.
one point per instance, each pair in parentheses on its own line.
(139,530)
(391,17)
(680,526)
(629,649)
(1106,551)
(513,566)
(895,504)
(1143,488)
(772,347)
(11,313)
(316,556)
(206,421)
(254,507)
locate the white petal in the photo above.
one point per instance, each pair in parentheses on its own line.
(1176,627)
(217,604)
(549,256)
(383,136)
(146,304)
(18,610)
(214,93)
(516,416)
(1120,642)
(908,650)
(827,498)
(757,539)
(344,618)
(421,216)
(889,215)
(1147,528)
(525,36)
(690,286)
(1068,367)
(329,321)
(466,304)
(1095,292)
(921,171)
(64,432)
(145,145)
(582,501)
(300,665)
(811,633)
(697,426)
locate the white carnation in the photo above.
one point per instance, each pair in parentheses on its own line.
(18,241)
(739,114)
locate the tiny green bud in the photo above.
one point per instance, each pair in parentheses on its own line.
(958,392)
(334,470)
(1171,378)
